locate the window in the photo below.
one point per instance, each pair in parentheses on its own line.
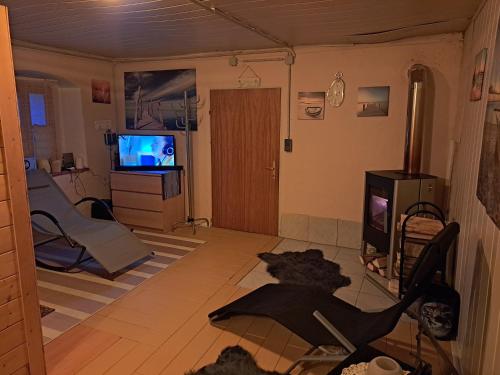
(37,116)
(37,109)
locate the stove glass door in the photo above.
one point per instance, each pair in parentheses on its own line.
(377,208)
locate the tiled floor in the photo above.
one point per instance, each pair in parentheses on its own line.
(361,293)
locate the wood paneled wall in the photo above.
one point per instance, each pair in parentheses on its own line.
(21,350)
(478,263)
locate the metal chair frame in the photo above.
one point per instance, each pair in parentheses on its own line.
(71,243)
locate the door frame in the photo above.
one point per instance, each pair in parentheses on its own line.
(21,221)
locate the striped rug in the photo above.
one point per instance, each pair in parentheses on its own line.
(76,296)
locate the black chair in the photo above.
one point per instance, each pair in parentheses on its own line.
(325,320)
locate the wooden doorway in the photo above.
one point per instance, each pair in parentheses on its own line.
(245,131)
(21,350)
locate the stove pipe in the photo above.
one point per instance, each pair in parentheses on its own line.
(417,75)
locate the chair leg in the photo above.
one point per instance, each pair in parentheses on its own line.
(334,331)
(319,358)
(296,363)
(418,338)
(328,357)
(323,358)
(50,267)
(440,351)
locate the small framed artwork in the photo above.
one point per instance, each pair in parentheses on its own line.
(311,105)
(373,101)
(478,77)
(101,91)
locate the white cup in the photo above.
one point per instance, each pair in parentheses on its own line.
(79,162)
(56,165)
(384,366)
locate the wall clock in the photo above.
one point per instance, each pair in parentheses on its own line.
(336,92)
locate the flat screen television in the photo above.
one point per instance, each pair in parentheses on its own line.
(146,152)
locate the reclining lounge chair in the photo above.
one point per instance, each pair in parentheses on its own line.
(110,243)
(325,320)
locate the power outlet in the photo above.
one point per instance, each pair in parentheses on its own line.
(288,144)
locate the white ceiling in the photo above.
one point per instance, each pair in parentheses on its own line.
(148,28)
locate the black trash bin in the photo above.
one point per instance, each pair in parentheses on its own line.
(99,212)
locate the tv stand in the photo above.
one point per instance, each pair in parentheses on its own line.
(148,199)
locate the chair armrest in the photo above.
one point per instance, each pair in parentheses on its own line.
(101,202)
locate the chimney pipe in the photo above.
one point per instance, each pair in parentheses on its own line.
(417,75)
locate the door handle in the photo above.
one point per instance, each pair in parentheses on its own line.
(272,169)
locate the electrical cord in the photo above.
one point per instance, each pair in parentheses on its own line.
(78,183)
(75,179)
(79,179)
(103,179)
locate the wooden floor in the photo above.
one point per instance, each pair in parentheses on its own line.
(161,327)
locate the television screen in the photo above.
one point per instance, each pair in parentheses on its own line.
(146,151)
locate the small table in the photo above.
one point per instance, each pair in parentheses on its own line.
(364,354)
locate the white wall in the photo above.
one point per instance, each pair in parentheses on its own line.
(329,157)
(324,174)
(478,263)
(332,155)
(77,72)
(71,123)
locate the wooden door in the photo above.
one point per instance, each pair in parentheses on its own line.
(21,349)
(245,131)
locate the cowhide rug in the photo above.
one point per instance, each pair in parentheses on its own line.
(305,268)
(234,360)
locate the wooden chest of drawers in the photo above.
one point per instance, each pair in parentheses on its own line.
(138,200)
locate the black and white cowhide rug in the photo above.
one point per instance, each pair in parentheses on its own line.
(305,268)
(234,360)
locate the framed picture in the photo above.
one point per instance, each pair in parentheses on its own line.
(311,105)
(373,101)
(154,100)
(488,179)
(478,77)
(101,91)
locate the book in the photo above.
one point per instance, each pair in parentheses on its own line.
(383,272)
(413,249)
(394,286)
(371,267)
(364,259)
